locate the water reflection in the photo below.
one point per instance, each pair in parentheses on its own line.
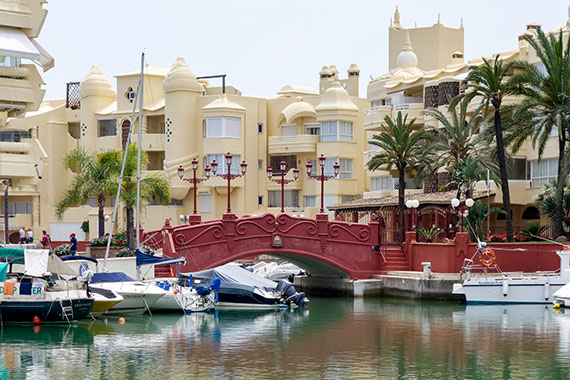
(335,338)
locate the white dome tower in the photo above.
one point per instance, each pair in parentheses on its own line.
(407,57)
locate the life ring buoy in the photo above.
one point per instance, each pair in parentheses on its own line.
(488,257)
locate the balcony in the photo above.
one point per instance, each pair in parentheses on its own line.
(374,117)
(293,144)
(413,110)
(20,89)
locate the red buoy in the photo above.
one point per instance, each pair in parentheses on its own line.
(37,320)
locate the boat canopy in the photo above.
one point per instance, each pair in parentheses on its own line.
(234,279)
(86,258)
(110,277)
(13,253)
(144,259)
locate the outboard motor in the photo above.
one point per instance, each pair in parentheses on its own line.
(205,290)
(290,295)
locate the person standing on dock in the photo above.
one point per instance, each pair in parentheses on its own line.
(22,235)
(29,236)
(73,242)
(46,240)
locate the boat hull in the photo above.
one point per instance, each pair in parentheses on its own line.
(136,298)
(516,291)
(66,310)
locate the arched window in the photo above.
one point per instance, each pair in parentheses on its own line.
(531,212)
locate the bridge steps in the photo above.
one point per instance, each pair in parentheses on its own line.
(396,259)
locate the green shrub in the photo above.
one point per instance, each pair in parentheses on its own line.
(429,233)
(62,250)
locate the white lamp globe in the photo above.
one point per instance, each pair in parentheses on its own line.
(416,203)
(469,202)
(409,203)
(455,202)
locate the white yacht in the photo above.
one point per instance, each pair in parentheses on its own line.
(516,288)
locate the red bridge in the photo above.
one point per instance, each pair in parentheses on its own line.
(322,247)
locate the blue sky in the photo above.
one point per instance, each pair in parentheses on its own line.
(265,44)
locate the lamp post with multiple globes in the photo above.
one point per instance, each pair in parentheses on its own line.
(229,176)
(322,177)
(282,180)
(457,203)
(194,180)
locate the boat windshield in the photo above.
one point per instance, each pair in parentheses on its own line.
(110,277)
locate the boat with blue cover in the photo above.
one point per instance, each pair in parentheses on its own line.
(242,289)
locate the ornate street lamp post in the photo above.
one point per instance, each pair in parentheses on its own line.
(282,181)
(194,180)
(322,177)
(468,203)
(228,175)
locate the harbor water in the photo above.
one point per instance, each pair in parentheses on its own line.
(335,338)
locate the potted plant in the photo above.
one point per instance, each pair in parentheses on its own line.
(428,233)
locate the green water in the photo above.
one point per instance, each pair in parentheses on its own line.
(333,339)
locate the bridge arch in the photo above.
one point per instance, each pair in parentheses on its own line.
(322,247)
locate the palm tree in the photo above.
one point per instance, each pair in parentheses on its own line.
(150,186)
(489,82)
(456,142)
(545,107)
(547,198)
(402,147)
(94,179)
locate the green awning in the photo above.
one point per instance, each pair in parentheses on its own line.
(11,252)
(15,255)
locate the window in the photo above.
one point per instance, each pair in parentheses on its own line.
(329,200)
(260,164)
(106,127)
(310,201)
(337,131)
(291,198)
(222,127)
(516,168)
(14,135)
(221,161)
(176,202)
(345,169)
(288,130)
(329,131)
(385,182)
(374,105)
(260,200)
(313,128)
(205,203)
(7,61)
(260,128)
(541,172)
(18,208)
(274,162)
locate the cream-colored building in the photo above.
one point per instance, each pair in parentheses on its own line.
(21,155)
(186,118)
(411,87)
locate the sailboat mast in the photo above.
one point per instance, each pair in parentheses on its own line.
(139,143)
(117,196)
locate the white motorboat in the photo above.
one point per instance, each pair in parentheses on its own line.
(138,297)
(183,298)
(276,272)
(518,288)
